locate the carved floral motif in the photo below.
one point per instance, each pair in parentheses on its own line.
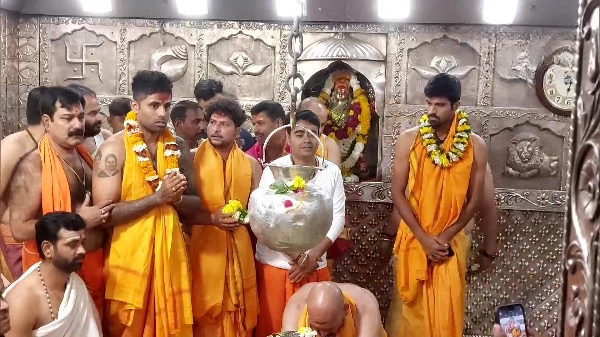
(240,63)
(444,64)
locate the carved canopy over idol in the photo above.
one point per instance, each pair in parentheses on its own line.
(350,99)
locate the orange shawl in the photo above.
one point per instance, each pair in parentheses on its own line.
(348,328)
(223,271)
(147,277)
(437,196)
(56,196)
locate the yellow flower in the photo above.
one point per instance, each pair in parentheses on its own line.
(232,207)
(297,183)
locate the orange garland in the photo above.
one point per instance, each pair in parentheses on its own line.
(172,154)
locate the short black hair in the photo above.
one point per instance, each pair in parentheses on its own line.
(207,89)
(229,108)
(443,85)
(66,97)
(308,116)
(82,90)
(179,110)
(272,109)
(119,107)
(48,226)
(34,116)
(149,82)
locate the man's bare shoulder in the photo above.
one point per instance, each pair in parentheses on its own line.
(106,133)
(478,142)
(17,143)
(114,144)
(31,162)
(254,164)
(25,289)
(406,138)
(330,142)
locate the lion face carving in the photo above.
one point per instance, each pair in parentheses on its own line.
(526,158)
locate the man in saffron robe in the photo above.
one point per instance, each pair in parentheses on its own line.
(438,178)
(14,147)
(279,277)
(58,177)
(334,309)
(224,299)
(147,279)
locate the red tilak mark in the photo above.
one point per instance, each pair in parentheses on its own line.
(163,97)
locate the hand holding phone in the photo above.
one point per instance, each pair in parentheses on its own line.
(511,318)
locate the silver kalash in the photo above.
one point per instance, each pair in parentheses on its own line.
(291,230)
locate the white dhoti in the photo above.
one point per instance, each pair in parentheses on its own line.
(77,315)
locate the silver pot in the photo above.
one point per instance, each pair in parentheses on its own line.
(291,223)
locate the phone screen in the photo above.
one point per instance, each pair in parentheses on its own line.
(512,320)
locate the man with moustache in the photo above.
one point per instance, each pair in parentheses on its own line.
(437,182)
(266,117)
(332,150)
(188,121)
(278,276)
(224,294)
(93,132)
(14,147)
(50,299)
(147,280)
(57,177)
(117,110)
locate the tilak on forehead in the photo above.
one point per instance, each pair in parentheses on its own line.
(163,96)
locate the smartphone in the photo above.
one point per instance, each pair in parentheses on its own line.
(511,318)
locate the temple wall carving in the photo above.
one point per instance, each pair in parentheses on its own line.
(528,144)
(9,72)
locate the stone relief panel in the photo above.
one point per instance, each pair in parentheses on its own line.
(167,53)
(9,73)
(442,55)
(28,65)
(527,155)
(86,57)
(517,58)
(245,66)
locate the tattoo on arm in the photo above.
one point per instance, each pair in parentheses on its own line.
(109,169)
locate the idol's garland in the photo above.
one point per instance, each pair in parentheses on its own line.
(459,143)
(356,129)
(171,153)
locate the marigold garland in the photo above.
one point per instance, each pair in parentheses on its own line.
(459,143)
(172,153)
(357,125)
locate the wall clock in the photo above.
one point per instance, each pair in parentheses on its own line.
(555,81)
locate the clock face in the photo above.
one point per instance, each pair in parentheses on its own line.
(559,87)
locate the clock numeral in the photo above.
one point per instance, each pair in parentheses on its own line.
(558,99)
(569,102)
(551,92)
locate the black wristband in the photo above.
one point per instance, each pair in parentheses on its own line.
(488,255)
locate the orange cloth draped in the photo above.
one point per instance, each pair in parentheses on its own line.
(12,251)
(274,291)
(224,292)
(56,196)
(348,328)
(433,297)
(147,278)
(319,149)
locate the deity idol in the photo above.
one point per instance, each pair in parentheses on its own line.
(349,119)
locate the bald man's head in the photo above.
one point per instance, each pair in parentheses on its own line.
(326,310)
(313,104)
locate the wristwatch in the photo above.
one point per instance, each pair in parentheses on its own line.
(488,255)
